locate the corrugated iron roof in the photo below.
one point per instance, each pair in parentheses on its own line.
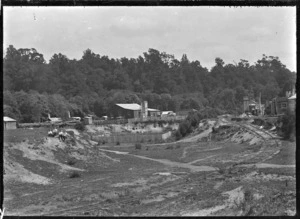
(8,119)
(129,106)
(134,106)
(166,112)
(153,110)
(55,119)
(292,97)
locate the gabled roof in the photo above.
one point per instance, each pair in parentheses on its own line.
(292,97)
(166,112)
(134,106)
(8,119)
(129,106)
(153,110)
(252,102)
(55,119)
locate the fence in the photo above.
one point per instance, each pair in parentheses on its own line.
(158,119)
(109,122)
(133,138)
(46,124)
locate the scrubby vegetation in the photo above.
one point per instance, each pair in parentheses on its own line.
(192,121)
(93,84)
(71,162)
(138,146)
(288,127)
(74,175)
(80,126)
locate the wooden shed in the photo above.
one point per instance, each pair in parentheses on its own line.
(9,123)
(88,120)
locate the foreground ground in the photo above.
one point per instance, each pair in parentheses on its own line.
(241,171)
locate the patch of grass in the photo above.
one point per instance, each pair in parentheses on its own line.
(80,126)
(71,133)
(138,146)
(74,175)
(71,162)
(169,147)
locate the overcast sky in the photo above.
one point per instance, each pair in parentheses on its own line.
(203,33)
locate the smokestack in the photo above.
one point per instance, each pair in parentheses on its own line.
(146,109)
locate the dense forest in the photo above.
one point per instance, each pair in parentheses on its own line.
(33,88)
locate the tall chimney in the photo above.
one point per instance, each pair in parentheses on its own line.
(146,109)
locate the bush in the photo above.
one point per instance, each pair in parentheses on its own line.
(138,146)
(178,135)
(80,126)
(74,175)
(71,162)
(118,143)
(169,147)
(288,125)
(71,133)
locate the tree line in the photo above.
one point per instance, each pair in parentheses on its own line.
(92,85)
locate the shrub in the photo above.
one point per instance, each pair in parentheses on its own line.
(288,125)
(138,146)
(80,126)
(118,143)
(169,147)
(103,142)
(71,162)
(74,175)
(71,133)
(178,135)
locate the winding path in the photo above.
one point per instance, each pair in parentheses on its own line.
(168,162)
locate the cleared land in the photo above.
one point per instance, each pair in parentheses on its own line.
(241,171)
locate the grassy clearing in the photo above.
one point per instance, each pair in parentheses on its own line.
(74,175)
(286,156)
(19,135)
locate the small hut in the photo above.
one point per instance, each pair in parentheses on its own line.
(9,123)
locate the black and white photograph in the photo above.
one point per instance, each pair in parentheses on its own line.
(149,111)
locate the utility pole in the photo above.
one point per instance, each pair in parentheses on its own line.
(259,101)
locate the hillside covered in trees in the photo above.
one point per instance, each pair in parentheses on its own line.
(33,88)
